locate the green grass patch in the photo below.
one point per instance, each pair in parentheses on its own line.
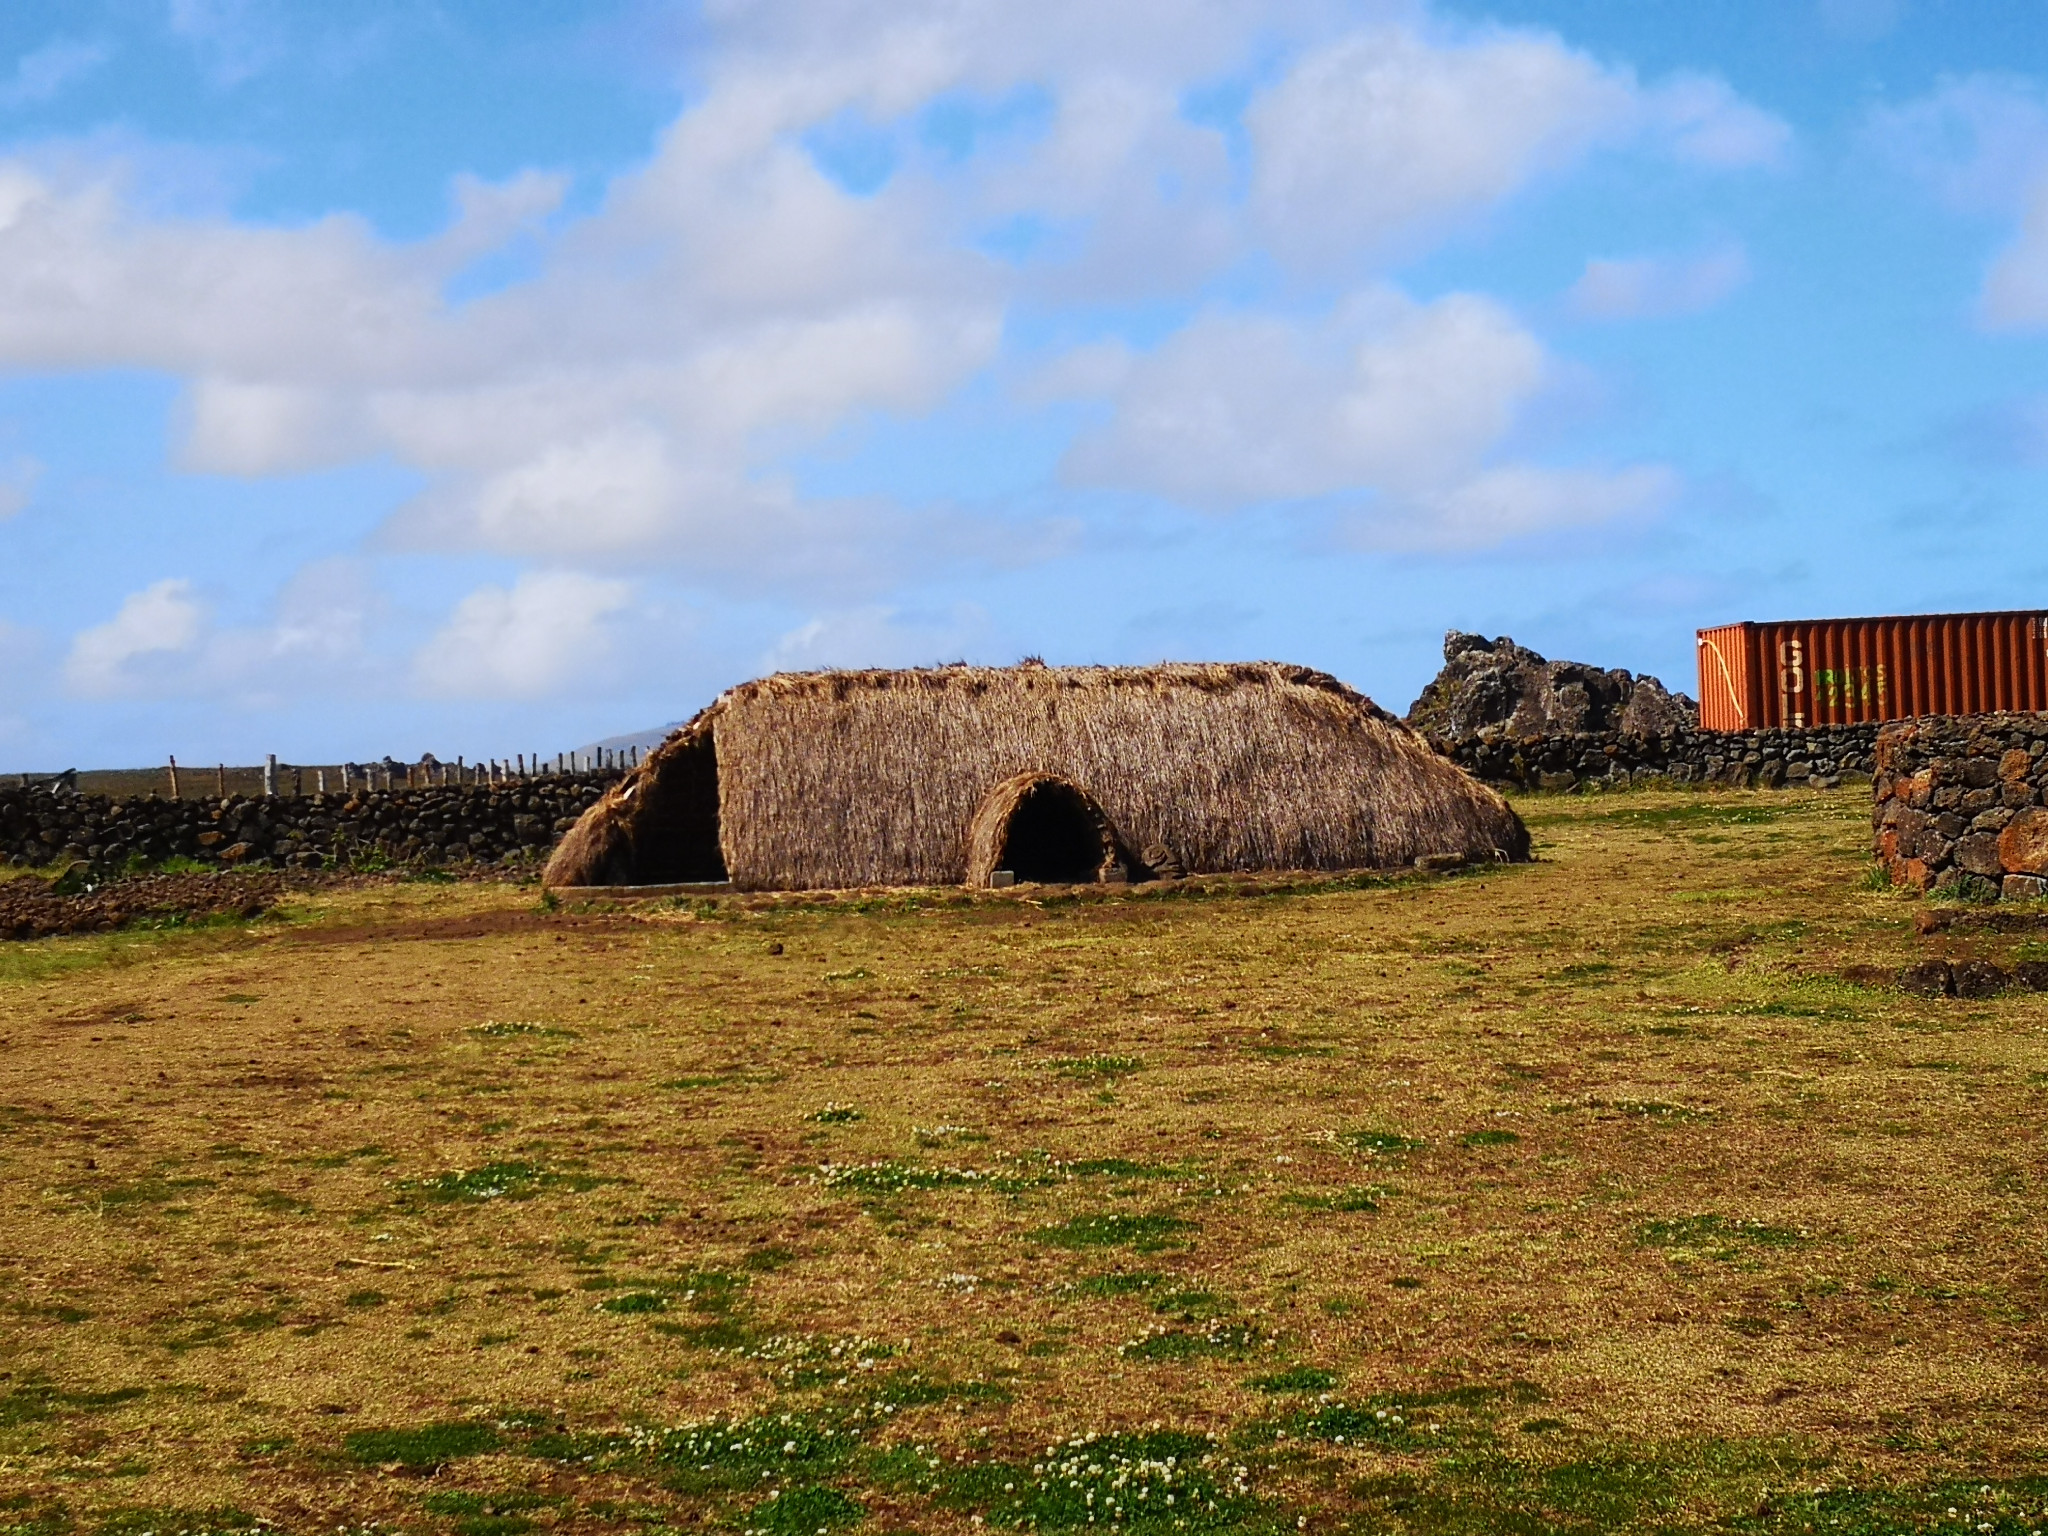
(1116,1284)
(518,1029)
(1165,1481)
(890,1176)
(1357,1199)
(1718,1237)
(178,1522)
(424,1448)
(1194,1306)
(1299,1378)
(802,1511)
(1220,1340)
(1380,1143)
(914,1389)
(496,1181)
(1097,1067)
(1147,1233)
(634,1302)
(1122,1168)
(1489,1138)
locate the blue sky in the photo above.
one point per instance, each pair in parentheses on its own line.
(489,377)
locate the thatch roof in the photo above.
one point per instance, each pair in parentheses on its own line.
(836,779)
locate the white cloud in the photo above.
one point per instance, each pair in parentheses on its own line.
(1705,122)
(1381,131)
(126,654)
(1981,143)
(1861,21)
(639,394)
(46,71)
(20,648)
(1643,287)
(235,39)
(545,633)
(1516,500)
(1386,135)
(879,636)
(19,477)
(1405,409)
(1241,408)
(2015,292)
(164,642)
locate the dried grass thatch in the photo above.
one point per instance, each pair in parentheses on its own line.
(836,779)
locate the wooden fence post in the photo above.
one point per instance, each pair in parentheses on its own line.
(174,778)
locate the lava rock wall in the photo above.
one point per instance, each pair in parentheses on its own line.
(1959,805)
(1569,761)
(511,823)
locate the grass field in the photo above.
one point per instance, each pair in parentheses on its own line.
(1575,1197)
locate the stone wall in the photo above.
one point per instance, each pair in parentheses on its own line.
(512,823)
(1822,757)
(1960,805)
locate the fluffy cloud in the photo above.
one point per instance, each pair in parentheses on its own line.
(1982,144)
(880,636)
(1404,409)
(43,73)
(1387,135)
(1516,500)
(1641,287)
(2015,292)
(129,652)
(639,396)
(19,477)
(1247,408)
(1379,133)
(545,632)
(164,642)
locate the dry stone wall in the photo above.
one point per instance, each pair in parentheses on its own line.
(1568,762)
(1959,805)
(512,823)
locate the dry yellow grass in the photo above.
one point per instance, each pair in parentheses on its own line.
(1591,1164)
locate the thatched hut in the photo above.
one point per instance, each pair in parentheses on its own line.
(953,774)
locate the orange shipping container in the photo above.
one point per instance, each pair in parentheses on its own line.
(1811,672)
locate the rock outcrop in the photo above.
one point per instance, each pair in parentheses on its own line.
(1496,687)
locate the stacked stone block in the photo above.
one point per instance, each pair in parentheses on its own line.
(1959,806)
(450,826)
(1820,758)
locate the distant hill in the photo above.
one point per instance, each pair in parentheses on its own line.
(646,740)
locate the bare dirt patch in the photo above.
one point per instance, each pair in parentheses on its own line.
(34,908)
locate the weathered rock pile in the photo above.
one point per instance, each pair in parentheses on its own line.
(1496,687)
(507,824)
(1959,805)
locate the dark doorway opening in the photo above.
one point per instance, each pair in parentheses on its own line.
(675,836)
(1054,836)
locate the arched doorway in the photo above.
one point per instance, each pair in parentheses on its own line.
(1045,830)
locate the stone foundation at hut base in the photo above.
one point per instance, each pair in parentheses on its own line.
(1960,806)
(1821,757)
(512,823)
